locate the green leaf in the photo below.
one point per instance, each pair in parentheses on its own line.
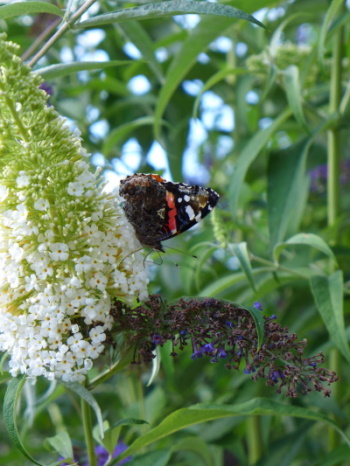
(286,176)
(138,35)
(81,391)
(259,323)
(308,239)
(331,12)
(241,252)
(339,455)
(222,284)
(11,399)
(196,445)
(201,36)
(248,155)
(152,458)
(217,77)
(28,8)
(62,444)
(121,132)
(155,367)
(110,437)
(328,294)
(293,90)
(186,417)
(65,69)
(168,8)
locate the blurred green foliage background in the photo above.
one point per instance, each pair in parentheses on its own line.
(261,116)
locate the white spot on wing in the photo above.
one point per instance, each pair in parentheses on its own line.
(179,199)
(189,212)
(187,198)
(198,217)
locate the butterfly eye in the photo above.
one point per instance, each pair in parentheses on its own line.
(131,191)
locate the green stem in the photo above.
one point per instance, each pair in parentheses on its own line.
(123,361)
(333,204)
(64,28)
(46,32)
(254,437)
(333,194)
(22,129)
(276,267)
(89,441)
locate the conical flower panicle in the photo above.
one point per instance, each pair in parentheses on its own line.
(66,248)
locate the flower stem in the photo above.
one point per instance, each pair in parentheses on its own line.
(333,203)
(89,441)
(333,194)
(46,32)
(276,267)
(23,131)
(124,360)
(65,26)
(254,437)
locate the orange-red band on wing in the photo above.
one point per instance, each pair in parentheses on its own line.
(172,212)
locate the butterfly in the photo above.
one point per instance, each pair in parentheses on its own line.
(159,209)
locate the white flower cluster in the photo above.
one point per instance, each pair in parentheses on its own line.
(66,249)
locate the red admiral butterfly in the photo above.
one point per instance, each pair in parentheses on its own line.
(159,209)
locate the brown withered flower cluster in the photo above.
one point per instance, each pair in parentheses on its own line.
(223,331)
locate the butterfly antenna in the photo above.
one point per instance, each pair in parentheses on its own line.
(181,252)
(130,253)
(149,253)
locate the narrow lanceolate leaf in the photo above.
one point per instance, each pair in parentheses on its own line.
(248,155)
(62,444)
(138,35)
(293,90)
(120,133)
(328,294)
(259,324)
(28,8)
(241,252)
(308,239)
(65,69)
(81,391)
(217,77)
(286,177)
(328,18)
(168,8)
(11,399)
(206,412)
(201,36)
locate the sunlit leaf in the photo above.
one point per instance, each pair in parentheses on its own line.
(293,90)
(216,78)
(138,35)
(202,35)
(62,444)
(28,8)
(65,69)
(247,156)
(286,175)
(308,239)
(120,133)
(168,8)
(328,295)
(206,412)
(329,16)
(241,252)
